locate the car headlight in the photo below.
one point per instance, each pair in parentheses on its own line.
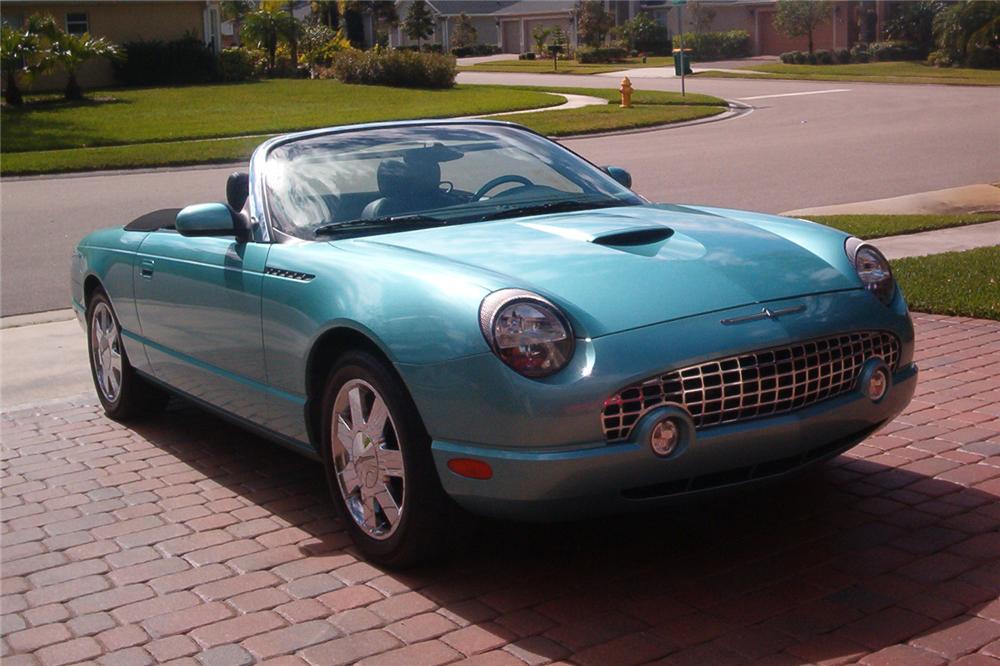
(526,331)
(873,269)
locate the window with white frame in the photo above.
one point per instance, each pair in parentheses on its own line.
(76,23)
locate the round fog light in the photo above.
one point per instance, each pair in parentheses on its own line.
(878,384)
(663,440)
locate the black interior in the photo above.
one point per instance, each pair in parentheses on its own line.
(158,219)
(237,190)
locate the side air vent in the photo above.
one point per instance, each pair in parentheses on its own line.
(290,275)
(630,237)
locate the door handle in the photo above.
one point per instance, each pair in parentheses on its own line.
(146,270)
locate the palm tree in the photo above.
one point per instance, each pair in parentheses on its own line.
(16,47)
(267,27)
(71,51)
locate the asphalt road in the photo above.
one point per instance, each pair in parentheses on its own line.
(864,142)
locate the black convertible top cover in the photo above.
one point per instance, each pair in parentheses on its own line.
(158,219)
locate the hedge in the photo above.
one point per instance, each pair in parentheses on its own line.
(717,45)
(185,60)
(475,50)
(601,55)
(859,53)
(394,67)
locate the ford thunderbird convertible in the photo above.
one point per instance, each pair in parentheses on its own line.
(464,314)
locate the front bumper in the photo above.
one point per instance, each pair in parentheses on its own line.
(603,478)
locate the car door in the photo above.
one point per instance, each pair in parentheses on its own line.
(198,301)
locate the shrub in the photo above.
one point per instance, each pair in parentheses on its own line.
(475,50)
(893,50)
(859,53)
(843,56)
(530,55)
(824,57)
(394,67)
(717,45)
(601,55)
(185,60)
(800,57)
(788,57)
(239,64)
(644,34)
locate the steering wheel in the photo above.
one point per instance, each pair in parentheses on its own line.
(500,180)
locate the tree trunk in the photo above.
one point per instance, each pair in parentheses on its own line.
(12,93)
(293,43)
(810,41)
(73,90)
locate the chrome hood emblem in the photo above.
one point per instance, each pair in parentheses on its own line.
(765,313)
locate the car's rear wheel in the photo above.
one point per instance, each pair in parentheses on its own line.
(122,392)
(378,463)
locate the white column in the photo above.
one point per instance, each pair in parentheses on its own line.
(521,49)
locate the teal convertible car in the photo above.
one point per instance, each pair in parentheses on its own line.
(464,312)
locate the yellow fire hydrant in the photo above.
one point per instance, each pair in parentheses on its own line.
(626,91)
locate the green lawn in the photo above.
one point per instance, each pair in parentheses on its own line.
(176,126)
(876,226)
(129,116)
(875,72)
(954,283)
(566,66)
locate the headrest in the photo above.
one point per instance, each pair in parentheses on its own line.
(400,178)
(237,190)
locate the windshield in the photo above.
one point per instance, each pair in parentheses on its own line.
(387,179)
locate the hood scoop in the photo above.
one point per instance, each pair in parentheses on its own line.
(633,237)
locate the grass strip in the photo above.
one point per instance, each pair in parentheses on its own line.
(592,119)
(875,72)
(955,283)
(877,226)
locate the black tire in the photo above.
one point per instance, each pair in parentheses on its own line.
(134,396)
(426,513)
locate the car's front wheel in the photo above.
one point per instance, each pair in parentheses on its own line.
(122,392)
(378,463)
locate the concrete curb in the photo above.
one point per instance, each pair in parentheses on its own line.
(32,318)
(736,110)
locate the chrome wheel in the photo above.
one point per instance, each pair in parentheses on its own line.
(367,458)
(106,350)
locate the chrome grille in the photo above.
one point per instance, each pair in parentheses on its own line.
(752,385)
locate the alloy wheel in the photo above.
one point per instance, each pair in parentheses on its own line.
(367,459)
(106,350)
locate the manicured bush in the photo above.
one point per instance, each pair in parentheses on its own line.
(239,64)
(859,53)
(601,55)
(530,55)
(893,50)
(788,57)
(475,50)
(800,57)
(716,45)
(395,67)
(843,56)
(824,57)
(185,60)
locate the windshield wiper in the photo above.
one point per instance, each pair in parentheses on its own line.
(381,223)
(552,207)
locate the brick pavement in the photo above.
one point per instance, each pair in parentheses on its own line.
(186,540)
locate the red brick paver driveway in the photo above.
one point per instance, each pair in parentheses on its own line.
(186,538)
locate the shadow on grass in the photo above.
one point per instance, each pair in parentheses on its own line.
(849,559)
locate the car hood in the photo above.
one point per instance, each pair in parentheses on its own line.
(621,268)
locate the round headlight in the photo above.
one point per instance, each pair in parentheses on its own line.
(872,268)
(526,331)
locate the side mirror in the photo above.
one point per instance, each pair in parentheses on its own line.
(212,219)
(619,174)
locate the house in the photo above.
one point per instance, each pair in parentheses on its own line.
(509,23)
(119,21)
